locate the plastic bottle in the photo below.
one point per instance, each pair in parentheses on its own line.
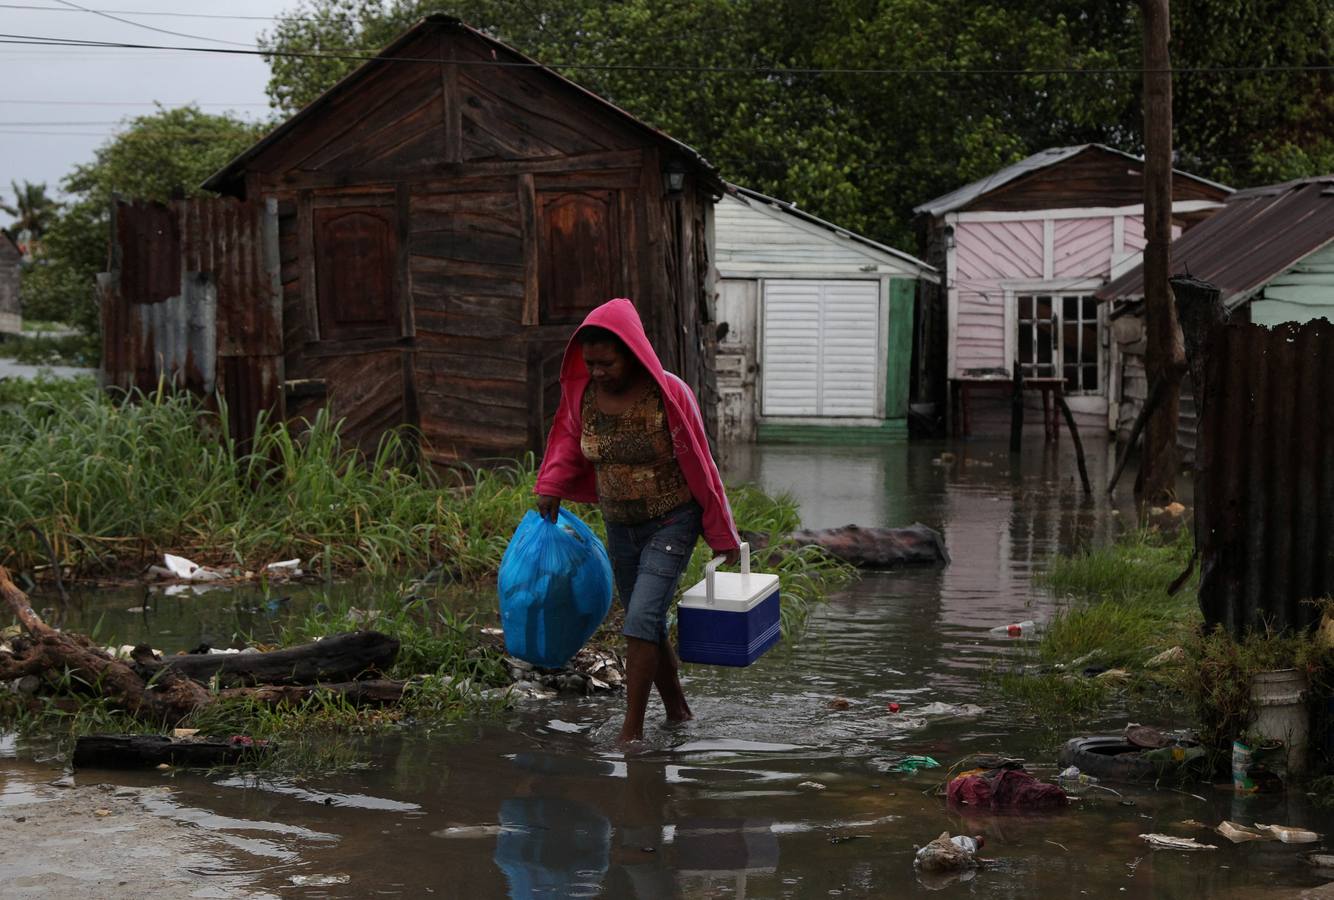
(1073,781)
(1015,629)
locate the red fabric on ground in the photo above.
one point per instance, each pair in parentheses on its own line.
(1005,789)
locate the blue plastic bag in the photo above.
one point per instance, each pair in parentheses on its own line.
(555,589)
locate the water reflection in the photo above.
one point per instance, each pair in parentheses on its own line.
(552,847)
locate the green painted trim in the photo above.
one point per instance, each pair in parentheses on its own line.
(890,431)
(898,365)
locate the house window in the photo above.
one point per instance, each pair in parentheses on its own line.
(1060,336)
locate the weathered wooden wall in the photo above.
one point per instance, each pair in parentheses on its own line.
(444,229)
(1092,178)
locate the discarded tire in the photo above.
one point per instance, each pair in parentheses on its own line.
(1114,758)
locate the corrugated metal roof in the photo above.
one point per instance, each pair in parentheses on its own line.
(1258,234)
(928,271)
(229,177)
(961,197)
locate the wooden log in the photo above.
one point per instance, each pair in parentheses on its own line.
(171,697)
(1079,445)
(337,658)
(144,751)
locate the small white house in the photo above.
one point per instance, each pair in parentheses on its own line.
(816,326)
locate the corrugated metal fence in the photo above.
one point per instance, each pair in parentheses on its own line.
(194,296)
(1264,472)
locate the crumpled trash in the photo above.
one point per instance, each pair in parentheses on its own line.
(318,880)
(1288,834)
(290,567)
(1168,842)
(1008,788)
(938,710)
(1240,834)
(911,764)
(190,571)
(948,854)
(1171,657)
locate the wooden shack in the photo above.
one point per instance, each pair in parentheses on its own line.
(10,258)
(819,326)
(447,214)
(1022,252)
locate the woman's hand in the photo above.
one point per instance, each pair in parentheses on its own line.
(548,507)
(732,557)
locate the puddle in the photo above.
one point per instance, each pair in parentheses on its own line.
(541,804)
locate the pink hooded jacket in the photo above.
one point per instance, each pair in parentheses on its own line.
(566,473)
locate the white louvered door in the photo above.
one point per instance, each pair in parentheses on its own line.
(821,348)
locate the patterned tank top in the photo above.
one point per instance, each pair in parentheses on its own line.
(638,476)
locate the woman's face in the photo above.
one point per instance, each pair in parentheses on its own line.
(607,366)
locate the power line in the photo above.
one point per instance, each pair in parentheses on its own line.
(115,18)
(29,102)
(364,56)
(144,12)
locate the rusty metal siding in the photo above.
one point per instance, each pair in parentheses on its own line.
(1265,475)
(194,299)
(1259,233)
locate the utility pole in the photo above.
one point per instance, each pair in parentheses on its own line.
(1164,356)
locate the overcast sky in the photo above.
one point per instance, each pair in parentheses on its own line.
(96,88)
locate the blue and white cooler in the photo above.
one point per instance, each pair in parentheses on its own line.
(729,618)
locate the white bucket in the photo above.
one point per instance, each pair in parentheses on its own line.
(1279,698)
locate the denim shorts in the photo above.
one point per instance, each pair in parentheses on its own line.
(647,560)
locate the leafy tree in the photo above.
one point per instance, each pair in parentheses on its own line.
(33,210)
(167,151)
(957,88)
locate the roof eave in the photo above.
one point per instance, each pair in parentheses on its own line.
(232,174)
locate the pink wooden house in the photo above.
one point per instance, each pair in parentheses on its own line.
(1022,252)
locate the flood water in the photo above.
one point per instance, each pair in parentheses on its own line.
(768,792)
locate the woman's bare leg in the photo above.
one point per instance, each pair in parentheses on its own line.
(641,668)
(668,681)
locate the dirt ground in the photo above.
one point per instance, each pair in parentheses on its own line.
(102,840)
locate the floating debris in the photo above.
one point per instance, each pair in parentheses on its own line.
(1168,842)
(1288,834)
(910,764)
(1240,834)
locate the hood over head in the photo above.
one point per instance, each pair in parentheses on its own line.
(620,317)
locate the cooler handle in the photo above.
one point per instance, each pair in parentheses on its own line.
(712,566)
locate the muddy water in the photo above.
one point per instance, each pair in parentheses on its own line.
(769,792)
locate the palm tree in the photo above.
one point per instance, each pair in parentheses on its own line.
(33,210)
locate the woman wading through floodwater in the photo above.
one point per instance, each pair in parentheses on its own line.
(628,436)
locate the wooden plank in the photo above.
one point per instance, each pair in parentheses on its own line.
(342,198)
(608,178)
(354,347)
(898,371)
(403,264)
(434,365)
(529,244)
(453,113)
(437,176)
(305,228)
(468,325)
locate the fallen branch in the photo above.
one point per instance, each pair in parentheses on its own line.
(1079,445)
(170,698)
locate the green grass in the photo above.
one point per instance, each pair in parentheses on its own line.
(1116,604)
(1114,612)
